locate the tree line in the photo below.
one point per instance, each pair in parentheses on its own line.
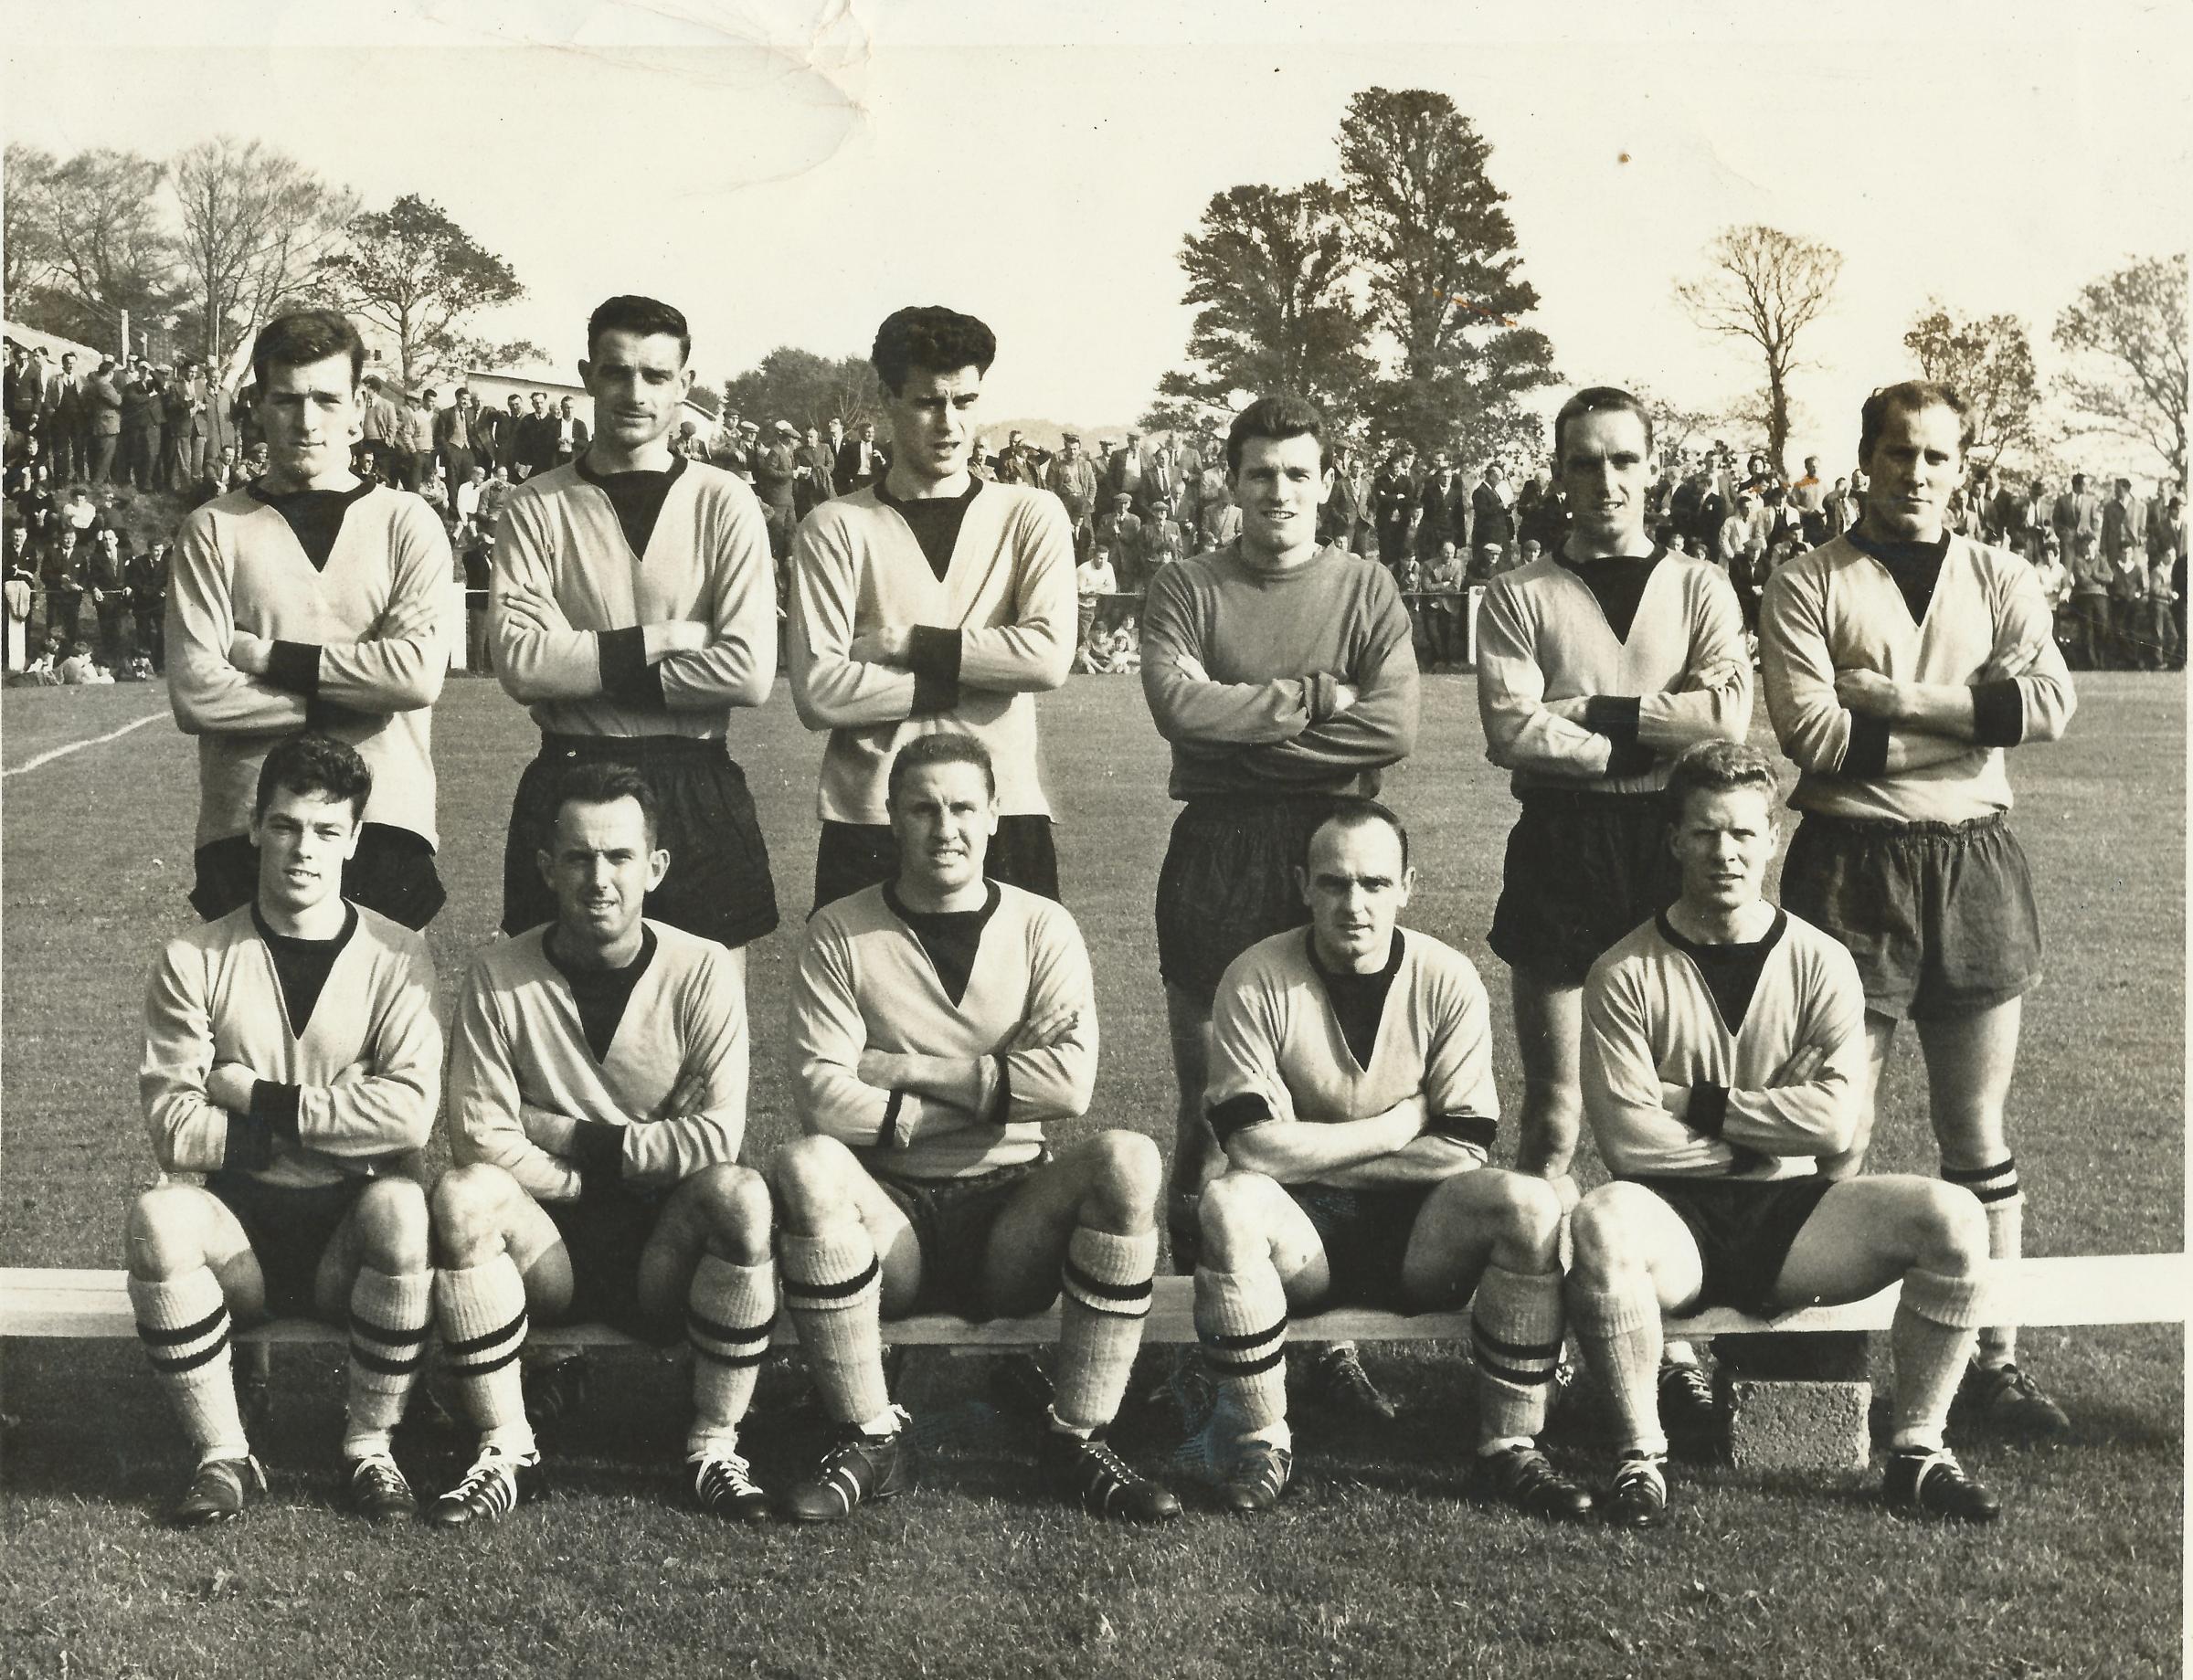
(198,250)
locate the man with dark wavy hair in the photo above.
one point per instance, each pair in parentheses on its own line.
(1282,671)
(311,596)
(931,600)
(633,611)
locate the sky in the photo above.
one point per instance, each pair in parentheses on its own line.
(790,171)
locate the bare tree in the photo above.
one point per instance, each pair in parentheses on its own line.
(25,239)
(2126,333)
(256,225)
(1989,361)
(1765,286)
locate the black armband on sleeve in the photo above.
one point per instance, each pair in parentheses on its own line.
(1001,1106)
(933,656)
(1478,1129)
(1867,755)
(1237,1114)
(626,676)
(887,1136)
(1613,716)
(1629,758)
(1999,713)
(274,1105)
(249,1146)
(598,1150)
(1709,1110)
(295,666)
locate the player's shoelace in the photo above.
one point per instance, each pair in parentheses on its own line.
(719,1481)
(490,1486)
(1103,1477)
(376,1483)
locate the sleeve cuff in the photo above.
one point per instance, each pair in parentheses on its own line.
(274,1106)
(1867,755)
(1001,1106)
(295,666)
(1613,716)
(887,1136)
(1237,1114)
(1321,693)
(1629,759)
(933,656)
(626,676)
(1474,1129)
(249,1146)
(1709,1110)
(1999,713)
(598,1150)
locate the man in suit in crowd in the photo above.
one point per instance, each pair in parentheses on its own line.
(860,461)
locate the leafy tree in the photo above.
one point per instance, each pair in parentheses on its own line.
(256,226)
(100,214)
(1673,426)
(1764,286)
(806,389)
(415,273)
(1439,256)
(26,242)
(1989,360)
(2126,333)
(1268,272)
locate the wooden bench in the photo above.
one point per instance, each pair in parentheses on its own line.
(40,1301)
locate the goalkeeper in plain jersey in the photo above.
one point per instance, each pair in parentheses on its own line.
(311,598)
(1724,1051)
(943,1026)
(1351,1090)
(598,1098)
(1901,661)
(291,1058)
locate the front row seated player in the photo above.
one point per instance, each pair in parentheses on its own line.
(1352,1089)
(1723,1057)
(292,1056)
(940,1022)
(597,1097)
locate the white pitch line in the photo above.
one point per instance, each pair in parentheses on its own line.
(78,746)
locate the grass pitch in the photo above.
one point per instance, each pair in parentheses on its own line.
(1378,1563)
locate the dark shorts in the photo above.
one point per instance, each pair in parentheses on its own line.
(1743,1228)
(952,1220)
(393,873)
(718,885)
(1228,881)
(852,855)
(1939,916)
(290,1229)
(1583,871)
(1366,1237)
(604,1231)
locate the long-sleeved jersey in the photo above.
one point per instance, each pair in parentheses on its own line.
(996,630)
(1279,1050)
(1838,609)
(1274,647)
(675,1077)
(864,982)
(1650,1020)
(1542,634)
(358,1088)
(359,648)
(707,560)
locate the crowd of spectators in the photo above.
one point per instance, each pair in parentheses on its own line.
(87,448)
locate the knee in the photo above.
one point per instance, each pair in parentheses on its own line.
(734,1203)
(808,1176)
(1523,1214)
(465,1212)
(159,1236)
(1231,1222)
(1949,1228)
(1125,1173)
(393,1227)
(1602,1241)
